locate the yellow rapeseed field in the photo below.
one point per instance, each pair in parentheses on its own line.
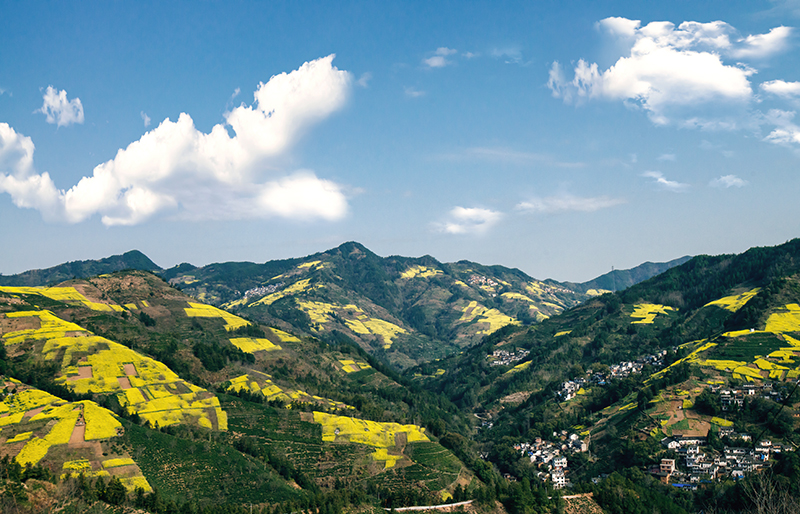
(63,294)
(735,302)
(648,311)
(371,433)
(480,314)
(115,463)
(252,344)
(389,460)
(721,422)
(297,287)
(202,310)
(155,391)
(351,366)
(420,271)
(788,321)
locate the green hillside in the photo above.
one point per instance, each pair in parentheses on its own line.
(151,389)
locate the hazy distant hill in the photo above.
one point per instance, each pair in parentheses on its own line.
(619,279)
(81,269)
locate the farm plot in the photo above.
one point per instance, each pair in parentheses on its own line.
(735,302)
(201,310)
(68,295)
(647,312)
(371,433)
(93,364)
(421,272)
(256,382)
(41,426)
(478,314)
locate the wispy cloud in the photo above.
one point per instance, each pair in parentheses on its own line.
(666,157)
(413,92)
(662,182)
(509,155)
(176,168)
(510,55)
(727,181)
(567,202)
(145,119)
(363,80)
(59,110)
(439,58)
(468,220)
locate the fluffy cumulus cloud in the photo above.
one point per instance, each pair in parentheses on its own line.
(59,110)
(439,58)
(782,88)
(469,220)
(567,203)
(728,181)
(662,182)
(671,72)
(195,175)
(786,132)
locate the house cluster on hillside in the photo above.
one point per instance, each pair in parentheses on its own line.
(733,462)
(570,388)
(478,280)
(504,357)
(734,398)
(262,290)
(550,457)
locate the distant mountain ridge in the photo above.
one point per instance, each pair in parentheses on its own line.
(403,310)
(133,259)
(617,280)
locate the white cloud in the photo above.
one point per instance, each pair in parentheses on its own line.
(145,119)
(763,45)
(59,110)
(786,131)
(469,220)
(413,92)
(666,157)
(662,182)
(177,168)
(567,202)
(439,58)
(670,72)
(781,88)
(17,177)
(728,181)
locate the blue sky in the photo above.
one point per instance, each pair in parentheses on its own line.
(562,138)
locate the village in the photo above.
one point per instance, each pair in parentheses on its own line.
(572,388)
(699,465)
(550,458)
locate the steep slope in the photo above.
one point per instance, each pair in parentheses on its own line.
(191,393)
(81,269)
(639,360)
(405,310)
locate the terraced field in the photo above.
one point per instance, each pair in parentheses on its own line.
(93,364)
(260,383)
(37,425)
(492,319)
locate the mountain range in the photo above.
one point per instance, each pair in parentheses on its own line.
(346,381)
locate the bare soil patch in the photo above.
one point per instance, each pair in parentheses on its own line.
(124,382)
(83,372)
